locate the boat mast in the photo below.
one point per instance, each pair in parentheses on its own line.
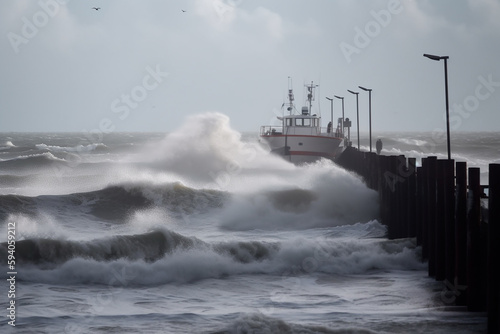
(310,95)
(290,96)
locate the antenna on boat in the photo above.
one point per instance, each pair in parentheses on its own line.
(290,96)
(310,94)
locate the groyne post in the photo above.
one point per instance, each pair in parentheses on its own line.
(449,219)
(461,233)
(424,209)
(412,197)
(431,214)
(439,228)
(474,241)
(493,303)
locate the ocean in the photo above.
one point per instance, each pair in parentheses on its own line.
(201,230)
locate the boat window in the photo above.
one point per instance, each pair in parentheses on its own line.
(316,122)
(289,122)
(307,122)
(298,121)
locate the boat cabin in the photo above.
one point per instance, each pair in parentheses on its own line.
(301,125)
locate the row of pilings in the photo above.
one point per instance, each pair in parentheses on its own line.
(454,219)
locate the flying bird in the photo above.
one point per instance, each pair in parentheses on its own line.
(96,8)
(183,10)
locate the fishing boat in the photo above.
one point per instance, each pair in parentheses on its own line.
(300,138)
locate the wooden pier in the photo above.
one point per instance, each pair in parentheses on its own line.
(453,217)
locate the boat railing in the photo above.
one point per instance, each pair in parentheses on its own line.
(269,130)
(333,132)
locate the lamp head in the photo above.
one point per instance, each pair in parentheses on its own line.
(433,57)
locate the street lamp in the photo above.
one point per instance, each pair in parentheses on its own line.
(438,58)
(369,111)
(342,98)
(331,109)
(357,111)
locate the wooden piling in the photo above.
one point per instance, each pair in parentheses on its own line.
(439,228)
(493,249)
(420,209)
(412,198)
(424,189)
(474,241)
(449,219)
(402,198)
(461,233)
(392,184)
(374,170)
(382,188)
(431,214)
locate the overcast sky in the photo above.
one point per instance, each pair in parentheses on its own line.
(144,65)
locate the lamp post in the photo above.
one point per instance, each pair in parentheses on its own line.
(438,58)
(331,110)
(357,111)
(343,118)
(369,111)
(341,98)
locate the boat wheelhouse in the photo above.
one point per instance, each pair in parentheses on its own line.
(300,138)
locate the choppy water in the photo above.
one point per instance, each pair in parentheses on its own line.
(203,231)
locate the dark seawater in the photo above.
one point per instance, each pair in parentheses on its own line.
(202,231)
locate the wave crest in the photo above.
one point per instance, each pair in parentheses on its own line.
(99,147)
(148,247)
(164,256)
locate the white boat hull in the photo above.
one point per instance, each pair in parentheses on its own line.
(303,148)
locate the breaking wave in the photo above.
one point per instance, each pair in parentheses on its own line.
(99,147)
(163,256)
(207,150)
(31,161)
(7,144)
(116,202)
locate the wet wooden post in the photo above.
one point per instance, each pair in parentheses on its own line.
(402,197)
(474,241)
(391,180)
(373,170)
(439,238)
(424,216)
(493,249)
(461,233)
(449,219)
(412,198)
(361,164)
(382,188)
(420,210)
(431,214)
